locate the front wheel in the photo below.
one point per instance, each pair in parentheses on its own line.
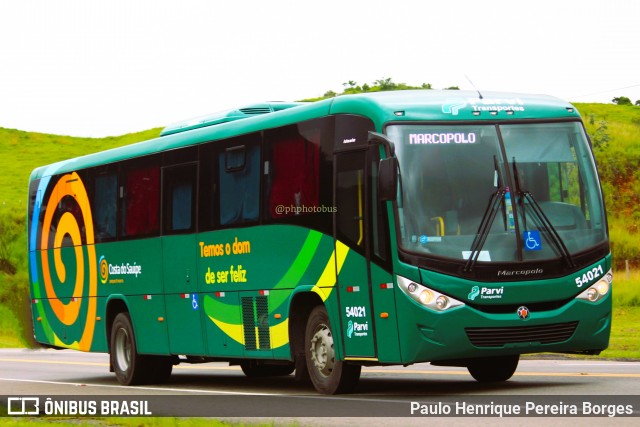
(493,369)
(328,375)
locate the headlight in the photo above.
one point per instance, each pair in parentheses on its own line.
(603,287)
(598,290)
(426,296)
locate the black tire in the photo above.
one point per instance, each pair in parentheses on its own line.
(328,375)
(130,367)
(493,369)
(255,370)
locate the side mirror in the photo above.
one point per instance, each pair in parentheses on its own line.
(388,169)
(388,179)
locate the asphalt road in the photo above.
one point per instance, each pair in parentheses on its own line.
(382,391)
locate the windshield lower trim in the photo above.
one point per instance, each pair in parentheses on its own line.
(499,271)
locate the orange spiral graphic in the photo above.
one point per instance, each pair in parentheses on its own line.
(71,185)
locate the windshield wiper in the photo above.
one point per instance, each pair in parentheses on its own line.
(487,220)
(534,207)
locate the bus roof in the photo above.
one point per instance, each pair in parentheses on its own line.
(227,116)
(381,107)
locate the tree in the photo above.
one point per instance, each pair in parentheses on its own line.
(621,100)
(386,84)
(601,136)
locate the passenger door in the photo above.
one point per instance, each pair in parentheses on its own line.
(351,223)
(180,250)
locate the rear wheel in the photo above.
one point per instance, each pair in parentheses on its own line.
(328,375)
(130,367)
(493,369)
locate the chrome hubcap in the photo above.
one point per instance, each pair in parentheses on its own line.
(123,350)
(322,352)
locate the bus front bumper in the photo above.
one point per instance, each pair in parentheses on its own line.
(465,332)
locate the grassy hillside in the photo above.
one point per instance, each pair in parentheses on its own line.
(615,132)
(21,152)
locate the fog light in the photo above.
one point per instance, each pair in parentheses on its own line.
(442,302)
(592,294)
(412,287)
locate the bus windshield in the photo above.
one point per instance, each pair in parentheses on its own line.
(530,191)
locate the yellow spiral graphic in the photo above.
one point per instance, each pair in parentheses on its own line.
(71,185)
(104,270)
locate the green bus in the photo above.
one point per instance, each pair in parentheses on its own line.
(389,228)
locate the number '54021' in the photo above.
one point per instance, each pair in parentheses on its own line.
(589,276)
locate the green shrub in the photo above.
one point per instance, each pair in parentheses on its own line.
(626,288)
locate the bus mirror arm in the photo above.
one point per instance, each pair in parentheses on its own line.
(378,138)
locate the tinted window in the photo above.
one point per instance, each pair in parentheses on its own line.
(140,192)
(299,174)
(239,180)
(105,206)
(179,200)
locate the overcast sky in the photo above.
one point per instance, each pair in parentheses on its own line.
(99,68)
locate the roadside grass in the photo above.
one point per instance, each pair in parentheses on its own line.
(9,327)
(131,422)
(625,326)
(625,330)
(626,288)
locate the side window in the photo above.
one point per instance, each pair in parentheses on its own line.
(294,176)
(352,183)
(350,198)
(35,202)
(239,181)
(379,218)
(179,201)
(105,206)
(298,174)
(67,205)
(208,216)
(565,182)
(140,194)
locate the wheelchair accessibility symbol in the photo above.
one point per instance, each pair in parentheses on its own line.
(194,301)
(532,241)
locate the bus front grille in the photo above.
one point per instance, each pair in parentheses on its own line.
(498,337)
